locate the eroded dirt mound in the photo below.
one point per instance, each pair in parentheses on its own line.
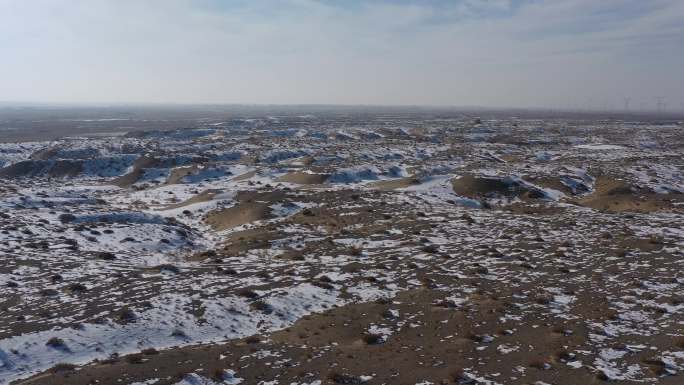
(139,167)
(204,196)
(33,168)
(485,187)
(395,183)
(250,207)
(45,153)
(473,187)
(553,183)
(238,215)
(177,174)
(614,195)
(304,178)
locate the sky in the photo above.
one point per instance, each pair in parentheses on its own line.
(490,53)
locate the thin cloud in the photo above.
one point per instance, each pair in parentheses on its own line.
(493,53)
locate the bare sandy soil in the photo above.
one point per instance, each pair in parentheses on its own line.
(407,249)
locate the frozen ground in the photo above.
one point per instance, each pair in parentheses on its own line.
(346,250)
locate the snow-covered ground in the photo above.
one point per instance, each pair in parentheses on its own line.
(115,244)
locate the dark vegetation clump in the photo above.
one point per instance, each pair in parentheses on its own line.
(247,293)
(56,343)
(431,249)
(253,339)
(356,251)
(168,268)
(77,288)
(66,218)
(373,339)
(63,368)
(262,306)
(135,358)
(106,255)
(346,379)
(150,351)
(127,315)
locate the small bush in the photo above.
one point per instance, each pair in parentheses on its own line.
(374,339)
(127,316)
(66,218)
(356,251)
(106,255)
(346,379)
(77,288)
(135,359)
(168,268)
(262,306)
(150,351)
(431,249)
(248,293)
(62,368)
(56,343)
(253,339)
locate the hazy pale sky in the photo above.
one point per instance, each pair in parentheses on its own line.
(519,53)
